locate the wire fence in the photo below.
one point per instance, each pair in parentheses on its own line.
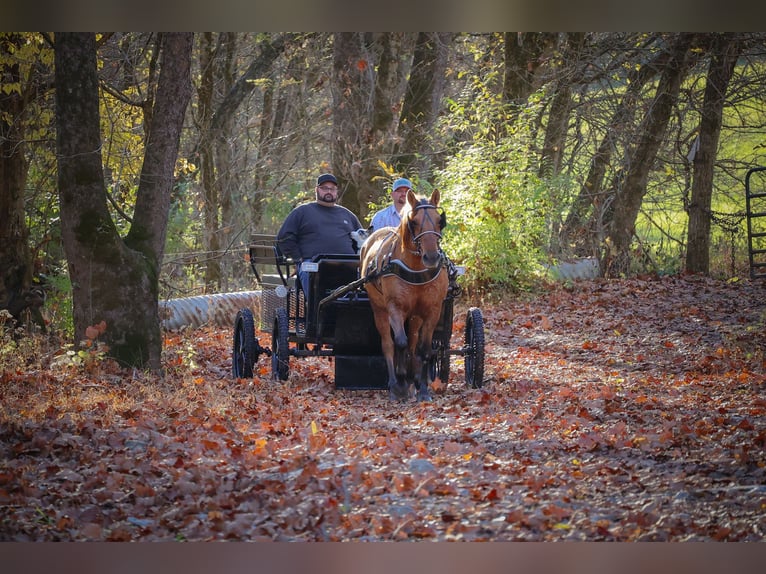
(185,274)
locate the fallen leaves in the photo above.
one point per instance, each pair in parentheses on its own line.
(625,410)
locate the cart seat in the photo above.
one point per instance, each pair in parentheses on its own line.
(334,270)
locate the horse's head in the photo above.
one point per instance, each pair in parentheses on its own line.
(423,224)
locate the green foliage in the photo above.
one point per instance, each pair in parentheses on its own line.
(89,357)
(20,349)
(58,304)
(122,126)
(499,210)
(495,219)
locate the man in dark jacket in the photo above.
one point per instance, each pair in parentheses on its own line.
(321,226)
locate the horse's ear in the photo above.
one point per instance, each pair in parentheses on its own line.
(435,195)
(412,199)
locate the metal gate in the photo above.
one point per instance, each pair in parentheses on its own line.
(755,198)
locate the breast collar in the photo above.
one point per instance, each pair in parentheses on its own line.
(408,275)
(385,266)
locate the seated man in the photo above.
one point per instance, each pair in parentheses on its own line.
(390,216)
(320,226)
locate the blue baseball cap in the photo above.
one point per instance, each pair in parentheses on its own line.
(401,182)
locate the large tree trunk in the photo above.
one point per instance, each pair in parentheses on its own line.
(724,53)
(422,102)
(616,258)
(522,58)
(366,89)
(15,256)
(116,281)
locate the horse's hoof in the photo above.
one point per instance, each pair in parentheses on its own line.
(399,392)
(424,398)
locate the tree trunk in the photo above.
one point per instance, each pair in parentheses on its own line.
(561,105)
(366,80)
(523,51)
(558,122)
(225,157)
(216,61)
(210,180)
(616,259)
(215,135)
(422,102)
(116,281)
(724,53)
(574,235)
(15,256)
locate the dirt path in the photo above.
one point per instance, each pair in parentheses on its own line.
(627,410)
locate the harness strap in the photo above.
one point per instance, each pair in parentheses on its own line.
(384,265)
(402,271)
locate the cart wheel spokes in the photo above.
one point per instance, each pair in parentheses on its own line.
(474,348)
(280,352)
(439,361)
(244,352)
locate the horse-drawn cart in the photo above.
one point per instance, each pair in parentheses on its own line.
(336,320)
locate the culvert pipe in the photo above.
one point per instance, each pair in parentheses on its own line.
(218,309)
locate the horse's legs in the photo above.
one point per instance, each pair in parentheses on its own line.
(415,364)
(387,346)
(424,353)
(396,323)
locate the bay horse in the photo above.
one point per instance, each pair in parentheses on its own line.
(407,283)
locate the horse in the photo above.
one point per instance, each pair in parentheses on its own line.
(407,282)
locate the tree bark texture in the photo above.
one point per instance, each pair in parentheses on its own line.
(211,182)
(422,102)
(561,105)
(725,50)
(523,51)
(367,87)
(15,256)
(116,281)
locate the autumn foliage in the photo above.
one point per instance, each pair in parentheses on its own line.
(620,411)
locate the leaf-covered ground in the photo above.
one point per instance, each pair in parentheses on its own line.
(626,410)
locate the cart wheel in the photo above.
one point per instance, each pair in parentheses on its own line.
(439,361)
(474,348)
(280,356)
(244,349)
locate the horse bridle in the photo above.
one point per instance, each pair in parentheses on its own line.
(416,238)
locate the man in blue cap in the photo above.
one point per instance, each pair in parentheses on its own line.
(389,217)
(320,226)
